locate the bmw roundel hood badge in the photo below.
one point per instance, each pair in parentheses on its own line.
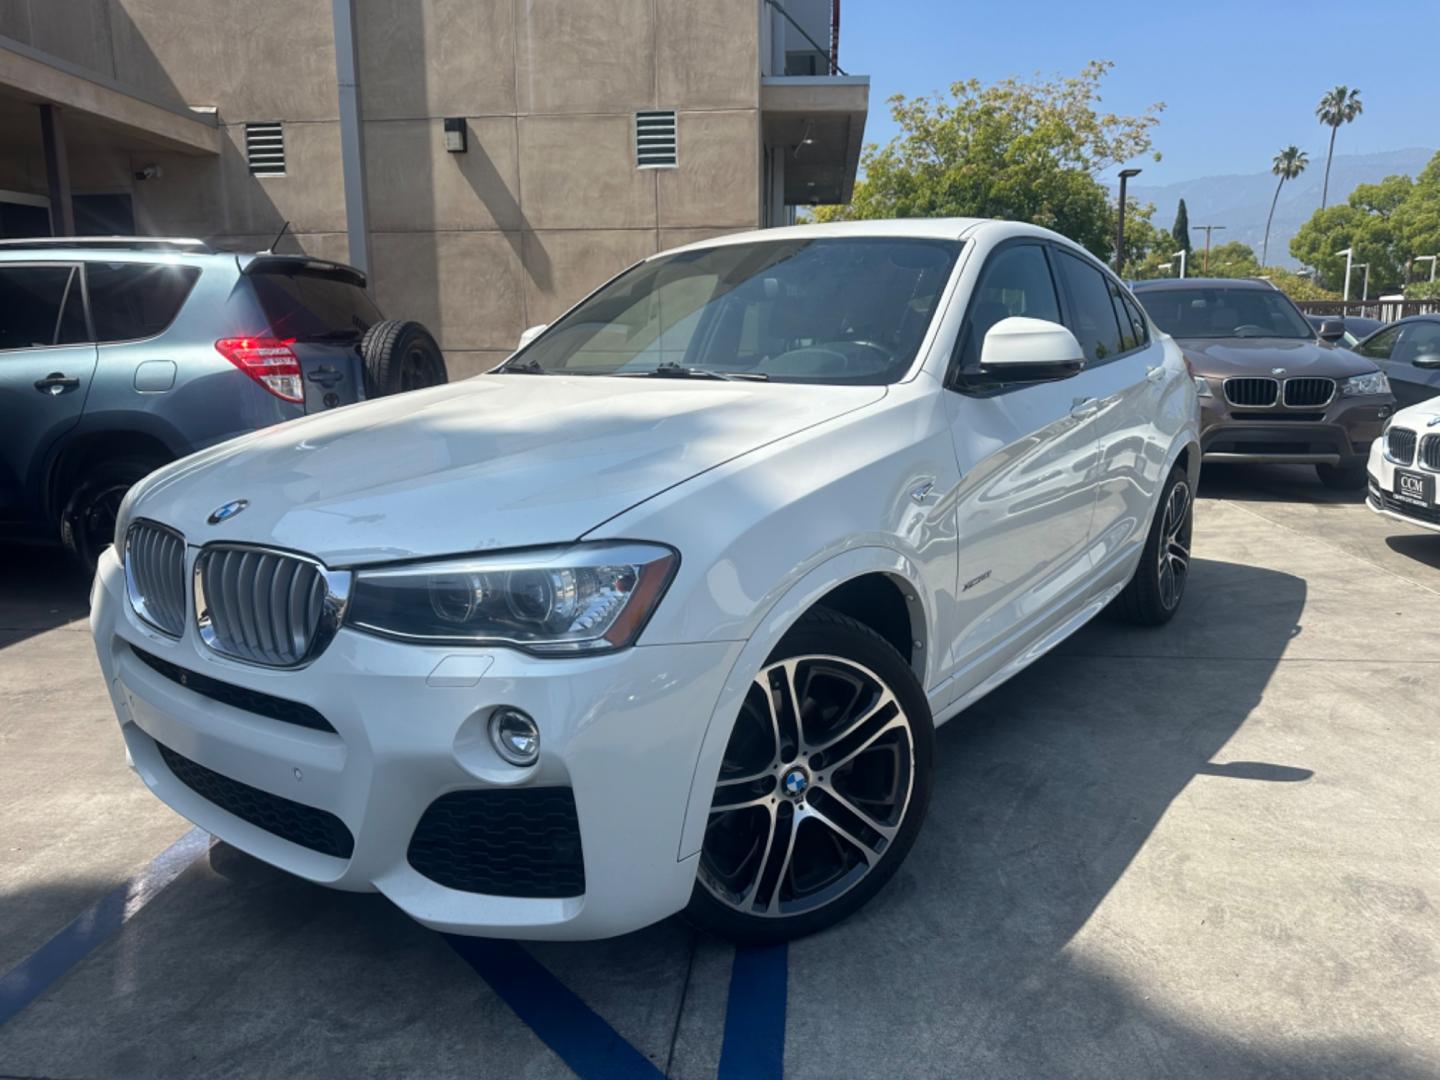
(228,511)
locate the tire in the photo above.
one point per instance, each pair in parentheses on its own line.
(1153,595)
(798,856)
(87,523)
(400,356)
(1342,477)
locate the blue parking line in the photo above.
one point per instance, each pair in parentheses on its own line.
(96,925)
(754,1044)
(585,1042)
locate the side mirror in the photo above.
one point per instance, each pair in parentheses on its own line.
(1331,330)
(1030,350)
(531,334)
(1427,360)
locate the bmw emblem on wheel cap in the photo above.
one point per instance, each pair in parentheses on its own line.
(228,511)
(796,781)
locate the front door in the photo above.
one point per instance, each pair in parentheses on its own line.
(47,361)
(1029,458)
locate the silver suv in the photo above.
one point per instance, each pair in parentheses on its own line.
(118,355)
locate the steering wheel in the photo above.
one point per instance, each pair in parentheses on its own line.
(885,354)
(1260,331)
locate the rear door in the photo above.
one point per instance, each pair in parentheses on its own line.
(1029,457)
(324,311)
(1127,376)
(47,363)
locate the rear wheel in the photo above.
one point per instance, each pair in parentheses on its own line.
(822,789)
(87,523)
(1341,477)
(1153,595)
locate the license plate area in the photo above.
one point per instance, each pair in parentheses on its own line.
(1416,489)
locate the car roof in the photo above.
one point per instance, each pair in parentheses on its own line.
(920,228)
(1162,284)
(157,248)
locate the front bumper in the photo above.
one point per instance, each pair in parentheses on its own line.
(622,731)
(1379,495)
(1339,434)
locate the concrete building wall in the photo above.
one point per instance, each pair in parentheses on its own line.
(546,203)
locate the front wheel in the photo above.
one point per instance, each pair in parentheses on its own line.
(1153,595)
(1342,478)
(822,789)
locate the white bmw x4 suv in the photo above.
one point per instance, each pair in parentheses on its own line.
(661,614)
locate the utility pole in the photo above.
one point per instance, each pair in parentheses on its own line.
(1125,174)
(1349,254)
(1208,230)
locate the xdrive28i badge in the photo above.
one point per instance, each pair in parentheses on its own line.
(228,511)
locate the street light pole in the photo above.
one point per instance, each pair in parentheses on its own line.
(1431,259)
(1181,256)
(1365,287)
(1208,230)
(1349,254)
(1125,175)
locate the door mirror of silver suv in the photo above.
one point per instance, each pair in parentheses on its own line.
(1030,350)
(1331,330)
(531,334)
(1427,360)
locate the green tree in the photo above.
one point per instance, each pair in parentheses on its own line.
(1288,164)
(1026,151)
(1180,231)
(1340,105)
(1417,220)
(1295,286)
(1233,260)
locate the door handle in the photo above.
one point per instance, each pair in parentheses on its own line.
(1081,407)
(56,383)
(1155,373)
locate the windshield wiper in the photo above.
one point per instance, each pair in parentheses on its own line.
(677,371)
(522,367)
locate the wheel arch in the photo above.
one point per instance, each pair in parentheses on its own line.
(848,581)
(87,448)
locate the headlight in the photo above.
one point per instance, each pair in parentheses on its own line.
(1202,387)
(1365,385)
(583,598)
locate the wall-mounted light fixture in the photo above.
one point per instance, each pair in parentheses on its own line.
(455,134)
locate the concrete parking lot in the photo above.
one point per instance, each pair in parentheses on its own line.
(1209,850)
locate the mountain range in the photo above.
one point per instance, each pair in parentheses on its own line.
(1241,202)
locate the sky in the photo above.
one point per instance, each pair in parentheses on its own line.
(1240,80)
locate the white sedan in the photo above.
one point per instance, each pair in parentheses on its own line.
(661,614)
(1404,463)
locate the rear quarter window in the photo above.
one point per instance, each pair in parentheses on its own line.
(136,300)
(306,305)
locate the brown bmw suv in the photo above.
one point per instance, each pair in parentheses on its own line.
(1272,389)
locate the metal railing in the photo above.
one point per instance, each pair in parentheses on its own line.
(1384,310)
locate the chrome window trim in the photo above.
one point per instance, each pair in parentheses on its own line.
(332,613)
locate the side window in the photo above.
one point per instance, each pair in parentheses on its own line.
(1015,281)
(300,304)
(1379,346)
(136,300)
(1137,319)
(1092,312)
(31,301)
(1417,340)
(1132,331)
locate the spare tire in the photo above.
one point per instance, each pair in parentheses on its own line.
(400,356)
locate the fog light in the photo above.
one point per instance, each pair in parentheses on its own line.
(515,735)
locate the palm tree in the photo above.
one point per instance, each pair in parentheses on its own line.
(1340,105)
(1288,164)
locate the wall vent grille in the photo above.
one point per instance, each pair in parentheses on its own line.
(265,148)
(655,141)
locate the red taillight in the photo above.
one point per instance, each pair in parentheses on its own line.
(269,361)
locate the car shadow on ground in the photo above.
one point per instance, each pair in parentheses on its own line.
(1423,547)
(40,589)
(1271,483)
(1046,791)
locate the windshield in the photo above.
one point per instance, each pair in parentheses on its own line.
(825,310)
(1220,312)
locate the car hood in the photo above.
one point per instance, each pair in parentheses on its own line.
(495,461)
(1420,417)
(1226,357)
